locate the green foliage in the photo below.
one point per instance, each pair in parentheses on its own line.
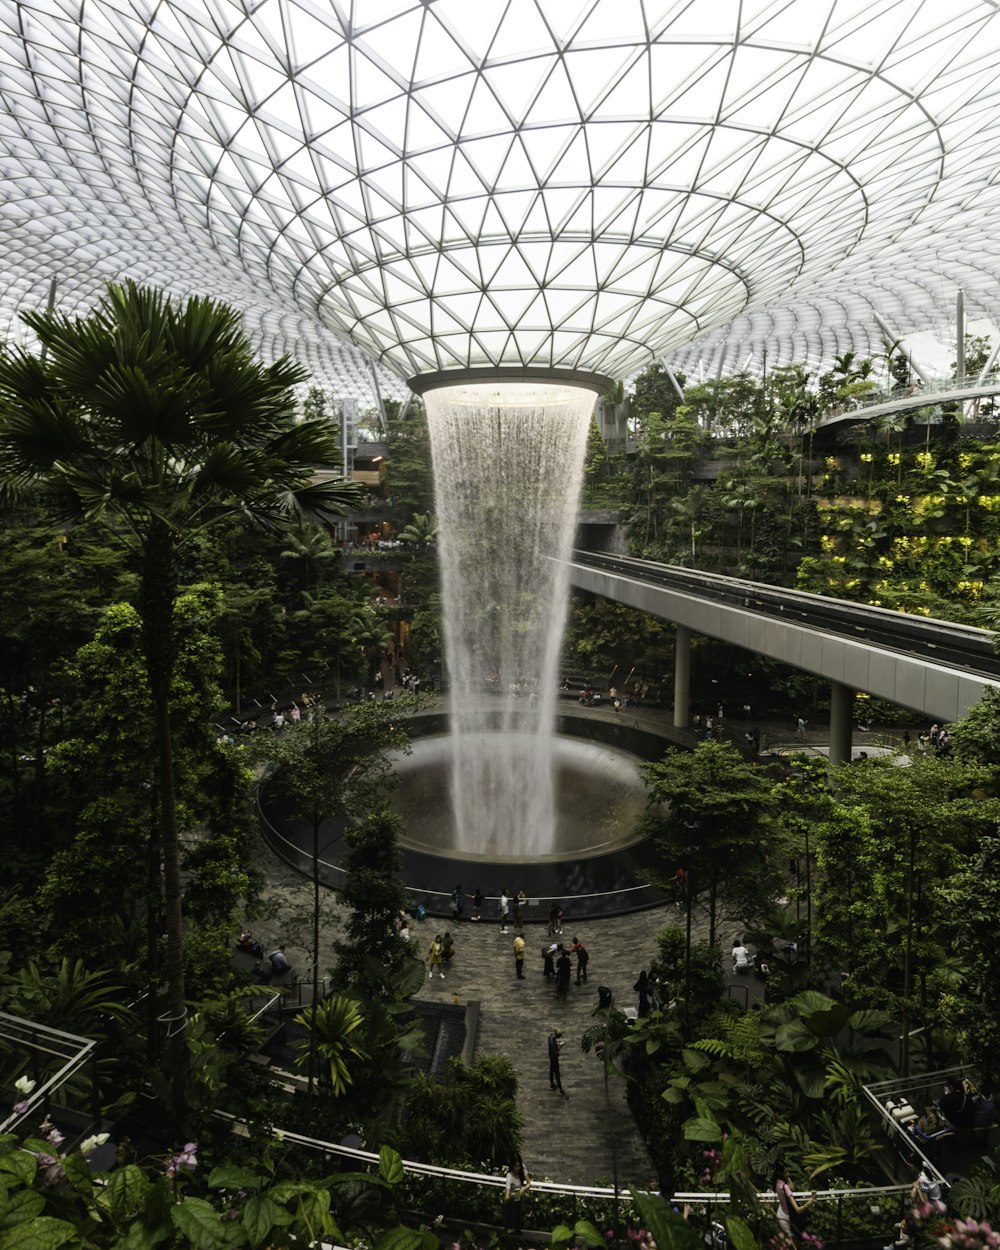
(713,817)
(333,1024)
(471,1120)
(969,901)
(371,954)
(66,1203)
(66,996)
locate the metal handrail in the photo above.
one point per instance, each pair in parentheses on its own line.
(487,1180)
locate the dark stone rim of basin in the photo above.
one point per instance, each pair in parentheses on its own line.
(602,885)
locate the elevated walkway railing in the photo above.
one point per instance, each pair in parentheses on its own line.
(908,398)
(484,1188)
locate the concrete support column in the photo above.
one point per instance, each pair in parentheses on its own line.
(682,677)
(841,703)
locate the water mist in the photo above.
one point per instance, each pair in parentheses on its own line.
(508,466)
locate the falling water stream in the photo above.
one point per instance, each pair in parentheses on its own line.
(508,465)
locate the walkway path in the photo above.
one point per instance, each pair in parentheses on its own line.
(580,1139)
(572,1140)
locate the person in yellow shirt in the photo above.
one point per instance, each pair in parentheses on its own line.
(435,957)
(519,956)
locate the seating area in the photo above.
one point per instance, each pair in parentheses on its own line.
(911,1115)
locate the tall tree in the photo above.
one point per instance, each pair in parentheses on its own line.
(156,420)
(713,817)
(328,770)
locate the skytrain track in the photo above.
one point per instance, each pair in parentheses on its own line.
(947,643)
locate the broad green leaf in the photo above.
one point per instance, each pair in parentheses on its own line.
(21,1164)
(795,1037)
(400,1238)
(125,1191)
(828,1023)
(390,1165)
(233,1177)
(561,1236)
(808,1001)
(287,1191)
(42,1233)
(673,1095)
(141,1236)
(739,1234)
(585,1231)
(80,1176)
(23,1205)
(314,1206)
(694,1060)
(699,1129)
(259,1218)
(670,1231)
(200,1223)
(873,1023)
(812,1081)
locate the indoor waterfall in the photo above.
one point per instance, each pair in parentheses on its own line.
(508,465)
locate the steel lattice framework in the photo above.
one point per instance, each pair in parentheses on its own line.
(580,184)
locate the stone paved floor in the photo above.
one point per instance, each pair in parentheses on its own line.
(573,1140)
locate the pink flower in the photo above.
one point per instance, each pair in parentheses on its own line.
(184,1161)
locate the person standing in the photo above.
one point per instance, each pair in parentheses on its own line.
(555,1079)
(504,911)
(435,957)
(549,961)
(582,959)
(788,1208)
(515,1185)
(458,903)
(477,904)
(564,969)
(519,956)
(641,987)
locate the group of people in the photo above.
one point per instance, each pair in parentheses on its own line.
(936,740)
(518,907)
(557,963)
(440,953)
(277,963)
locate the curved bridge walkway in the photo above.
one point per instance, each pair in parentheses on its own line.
(937,668)
(912,399)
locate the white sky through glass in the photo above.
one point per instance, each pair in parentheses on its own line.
(586,184)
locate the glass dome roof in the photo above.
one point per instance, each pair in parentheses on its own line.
(580,184)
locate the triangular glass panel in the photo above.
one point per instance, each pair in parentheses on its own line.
(701,98)
(514,209)
(629,96)
(516,84)
(462,307)
(521,31)
(556,101)
(464,180)
(487,156)
(484,115)
(591,71)
(438,55)
(719,19)
(371,85)
(618,22)
(422,131)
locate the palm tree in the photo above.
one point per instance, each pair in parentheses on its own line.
(421,531)
(155,420)
(310,547)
